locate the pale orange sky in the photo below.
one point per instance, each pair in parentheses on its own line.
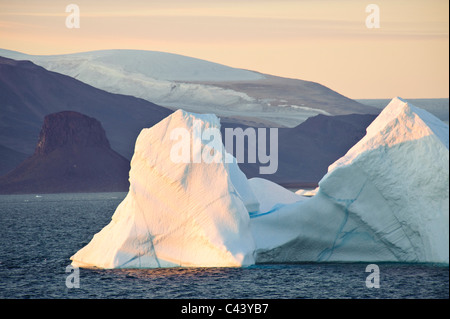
(325,41)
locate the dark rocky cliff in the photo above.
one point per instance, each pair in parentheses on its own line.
(72,155)
(70,129)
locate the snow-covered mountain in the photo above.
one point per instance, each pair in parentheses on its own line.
(196,85)
(29,92)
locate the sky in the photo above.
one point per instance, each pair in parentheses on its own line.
(325,41)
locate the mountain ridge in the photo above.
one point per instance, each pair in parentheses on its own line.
(176,81)
(29,92)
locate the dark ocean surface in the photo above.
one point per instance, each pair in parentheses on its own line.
(39,233)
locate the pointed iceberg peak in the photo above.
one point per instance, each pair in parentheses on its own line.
(185,118)
(191,142)
(178,211)
(396,178)
(396,112)
(416,121)
(398,123)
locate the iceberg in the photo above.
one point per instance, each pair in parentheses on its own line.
(176,214)
(386,200)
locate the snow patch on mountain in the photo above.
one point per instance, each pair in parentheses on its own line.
(173,81)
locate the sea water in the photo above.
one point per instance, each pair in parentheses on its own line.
(39,233)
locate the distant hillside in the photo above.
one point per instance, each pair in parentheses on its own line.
(9,159)
(306,151)
(195,85)
(29,92)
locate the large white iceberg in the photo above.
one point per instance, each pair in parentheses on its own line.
(177,214)
(387,199)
